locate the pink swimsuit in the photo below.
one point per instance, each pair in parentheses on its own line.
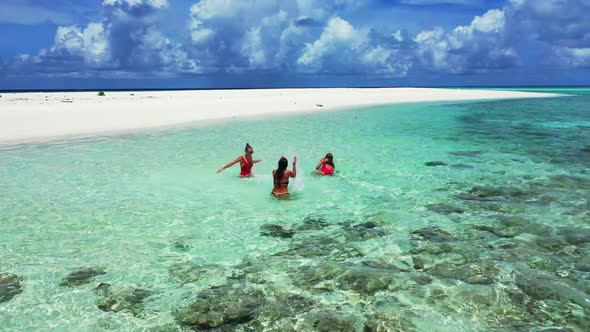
(326,170)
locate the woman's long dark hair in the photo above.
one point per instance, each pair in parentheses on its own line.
(330,158)
(281,168)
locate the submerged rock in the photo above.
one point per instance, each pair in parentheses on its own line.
(422,279)
(509,227)
(432,248)
(473,273)
(324,320)
(382,322)
(541,286)
(225,306)
(444,208)
(188,272)
(575,235)
(503,244)
(103,289)
(434,163)
(432,233)
(276,231)
(382,263)
(569,182)
(81,276)
(493,193)
(552,243)
(9,286)
(583,264)
(322,246)
(366,280)
(536,229)
(127,300)
(308,276)
(313,223)
(282,311)
(508,232)
(508,221)
(417,263)
(364,231)
(181,246)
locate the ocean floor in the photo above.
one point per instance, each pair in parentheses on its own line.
(455,216)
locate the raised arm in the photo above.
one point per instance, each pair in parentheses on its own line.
(323,160)
(237,160)
(256,161)
(294,171)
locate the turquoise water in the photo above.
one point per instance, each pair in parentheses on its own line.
(496,239)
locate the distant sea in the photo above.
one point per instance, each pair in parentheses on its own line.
(515,88)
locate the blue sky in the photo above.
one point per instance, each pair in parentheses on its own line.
(65,44)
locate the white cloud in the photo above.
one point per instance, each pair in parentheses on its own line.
(480,46)
(127,40)
(341,48)
(253,48)
(150,3)
(311,36)
(89,43)
(338,34)
(492,21)
(573,57)
(561,27)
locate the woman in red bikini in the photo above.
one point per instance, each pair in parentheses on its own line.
(281,177)
(246,162)
(326,165)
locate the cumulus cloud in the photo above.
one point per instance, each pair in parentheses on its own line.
(572,57)
(137,3)
(302,35)
(341,48)
(338,34)
(126,40)
(238,35)
(562,26)
(557,22)
(482,45)
(492,40)
(89,43)
(308,36)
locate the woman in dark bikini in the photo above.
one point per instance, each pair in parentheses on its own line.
(246,162)
(281,177)
(326,165)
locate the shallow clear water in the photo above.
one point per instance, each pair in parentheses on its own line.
(511,206)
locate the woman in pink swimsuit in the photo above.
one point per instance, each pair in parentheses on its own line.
(326,165)
(246,162)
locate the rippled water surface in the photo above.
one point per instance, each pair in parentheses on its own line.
(494,236)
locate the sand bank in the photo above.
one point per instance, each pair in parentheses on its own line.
(43,116)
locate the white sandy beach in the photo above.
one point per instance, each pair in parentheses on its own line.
(43,116)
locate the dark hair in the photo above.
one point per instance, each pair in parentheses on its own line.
(283,163)
(330,158)
(246,148)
